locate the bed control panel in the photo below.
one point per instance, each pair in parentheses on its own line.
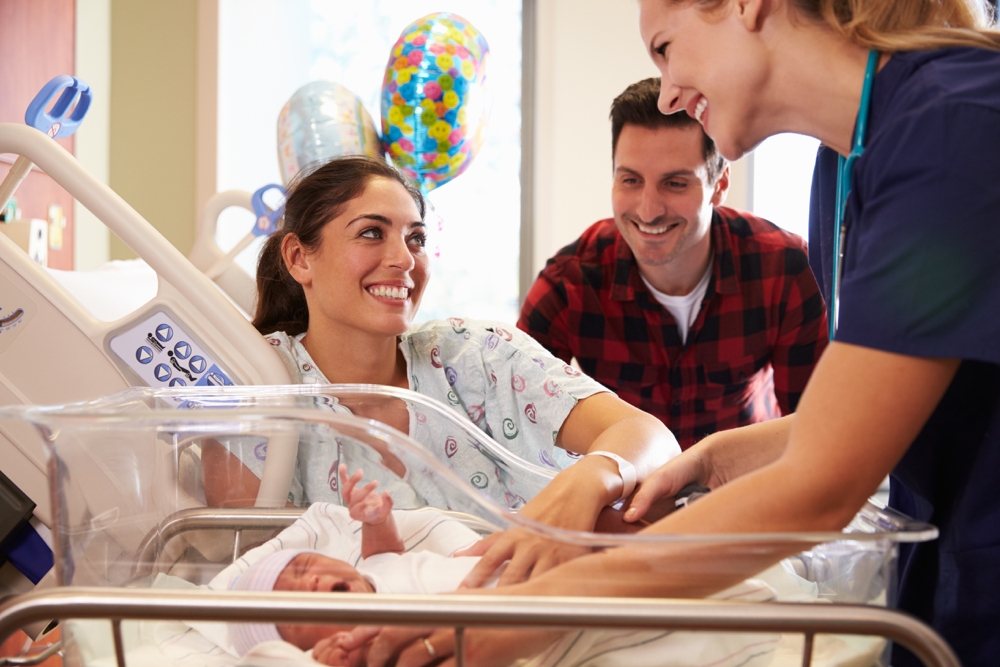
(164,355)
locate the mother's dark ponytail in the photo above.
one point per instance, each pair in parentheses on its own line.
(316,196)
(281,301)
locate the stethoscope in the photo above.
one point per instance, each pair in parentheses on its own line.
(844,168)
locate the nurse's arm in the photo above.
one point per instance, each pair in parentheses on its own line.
(861,411)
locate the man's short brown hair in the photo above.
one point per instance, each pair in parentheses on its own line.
(638,106)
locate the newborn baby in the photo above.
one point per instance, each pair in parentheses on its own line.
(384,568)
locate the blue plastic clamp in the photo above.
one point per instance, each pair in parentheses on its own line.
(267,220)
(59,122)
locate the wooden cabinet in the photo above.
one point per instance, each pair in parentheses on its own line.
(37,44)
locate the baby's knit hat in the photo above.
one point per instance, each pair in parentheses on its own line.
(261,576)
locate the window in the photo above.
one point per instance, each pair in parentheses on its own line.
(782,180)
(269,49)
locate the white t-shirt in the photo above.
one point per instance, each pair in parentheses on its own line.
(683,308)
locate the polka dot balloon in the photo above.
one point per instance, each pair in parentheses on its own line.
(434,107)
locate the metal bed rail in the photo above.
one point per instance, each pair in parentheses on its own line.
(463,612)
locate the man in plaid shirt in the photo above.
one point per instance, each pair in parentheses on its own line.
(703,316)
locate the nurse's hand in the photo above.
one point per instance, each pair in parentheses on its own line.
(664,483)
(415,647)
(715,461)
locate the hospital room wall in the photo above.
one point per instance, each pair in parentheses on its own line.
(139,137)
(93,64)
(153,112)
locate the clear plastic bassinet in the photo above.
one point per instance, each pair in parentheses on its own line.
(129,489)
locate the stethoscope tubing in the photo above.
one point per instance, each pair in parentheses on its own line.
(844,168)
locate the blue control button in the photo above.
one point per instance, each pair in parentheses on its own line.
(197,364)
(182,350)
(162,372)
(177,382)
(144,355)
(164,332)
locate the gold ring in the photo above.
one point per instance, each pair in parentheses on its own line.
(430,649)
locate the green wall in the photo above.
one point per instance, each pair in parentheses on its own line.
(152,133)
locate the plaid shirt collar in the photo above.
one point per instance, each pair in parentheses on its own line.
(628,285)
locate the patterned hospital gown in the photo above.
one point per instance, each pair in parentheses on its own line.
(504,382)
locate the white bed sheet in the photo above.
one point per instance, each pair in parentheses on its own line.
(115,289)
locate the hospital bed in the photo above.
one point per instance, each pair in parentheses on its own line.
(54,349)
(129,546)
(117,288)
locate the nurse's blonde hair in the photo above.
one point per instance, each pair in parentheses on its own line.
(905,25)
(898,25)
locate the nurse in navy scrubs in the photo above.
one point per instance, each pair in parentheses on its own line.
(910,384)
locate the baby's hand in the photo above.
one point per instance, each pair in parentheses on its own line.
(364,503)
(331,651)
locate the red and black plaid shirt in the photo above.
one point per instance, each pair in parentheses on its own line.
(758,335)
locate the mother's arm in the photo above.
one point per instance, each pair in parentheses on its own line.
(578,494)
(227,481)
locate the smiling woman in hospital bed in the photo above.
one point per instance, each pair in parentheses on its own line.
(338,288)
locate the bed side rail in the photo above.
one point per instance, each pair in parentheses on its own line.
(475,612)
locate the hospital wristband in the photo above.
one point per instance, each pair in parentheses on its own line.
(625,469)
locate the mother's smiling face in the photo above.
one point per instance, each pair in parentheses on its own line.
(370,268)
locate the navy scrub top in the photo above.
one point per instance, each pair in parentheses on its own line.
(922,277)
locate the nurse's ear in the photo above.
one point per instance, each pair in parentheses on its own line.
(297,259)
(721,188)
(751,13)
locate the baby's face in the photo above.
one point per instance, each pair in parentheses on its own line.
(314,572)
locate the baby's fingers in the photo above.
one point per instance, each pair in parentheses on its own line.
(347,483)
(360,494)
(358,636)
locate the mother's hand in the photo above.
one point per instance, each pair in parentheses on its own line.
(579,494)
(528,554)
(560,504)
